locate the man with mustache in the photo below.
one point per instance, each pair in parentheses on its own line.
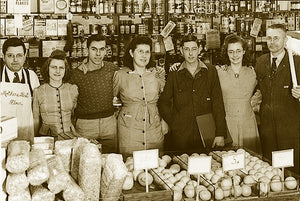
(20,80)
(95,111)
(280,107)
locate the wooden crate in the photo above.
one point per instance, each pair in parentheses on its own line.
(138,193)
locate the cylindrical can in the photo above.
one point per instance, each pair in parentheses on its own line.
(112,29)
(75,29)
(119,7)
(94,28)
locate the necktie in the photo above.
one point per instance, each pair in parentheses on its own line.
(274,68)
(16,78)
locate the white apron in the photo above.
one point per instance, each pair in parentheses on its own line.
(16,102)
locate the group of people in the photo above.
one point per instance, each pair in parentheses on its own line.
(79,102)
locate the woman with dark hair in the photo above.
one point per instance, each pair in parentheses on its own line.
(55,100)
(138,87)
(238,83)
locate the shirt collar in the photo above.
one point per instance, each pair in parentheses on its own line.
(279,57)
(11,74)
(83,67)
(200,65)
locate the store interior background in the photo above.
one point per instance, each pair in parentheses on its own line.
(43,25)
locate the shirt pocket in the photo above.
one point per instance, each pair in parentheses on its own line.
(125,118)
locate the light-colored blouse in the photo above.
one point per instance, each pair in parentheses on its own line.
(55,106)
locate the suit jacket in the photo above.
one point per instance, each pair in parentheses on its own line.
(280,111)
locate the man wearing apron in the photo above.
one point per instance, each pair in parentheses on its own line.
(16,88)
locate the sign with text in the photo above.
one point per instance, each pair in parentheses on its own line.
(145,159)
(199,164)
(233,161)
(283,158)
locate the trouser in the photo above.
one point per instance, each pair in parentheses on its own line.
(104,130)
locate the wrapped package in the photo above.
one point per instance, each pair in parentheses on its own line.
(63,149)
(113,177)
(18,156)
(73,192)
(90,172)
(2,168)
(3,195)
(58,177)
(23,195)
(40,193)
(77,149)
(38,171)
(16,183)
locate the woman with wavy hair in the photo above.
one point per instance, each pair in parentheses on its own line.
(138,86)
(55,100)
(238,82)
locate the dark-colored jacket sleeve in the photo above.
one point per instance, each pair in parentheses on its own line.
(218,104)
(165,102)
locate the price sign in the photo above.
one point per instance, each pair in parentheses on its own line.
(283,158)
(145,159)
(199,164)
(233,161)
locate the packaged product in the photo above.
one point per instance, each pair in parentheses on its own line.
(18,156)
(58,177)
(16,183)
(63,149)
(77,149)
(40,193)
(90,172)
(73,192)
(38,171)
(23,195)
(113,177)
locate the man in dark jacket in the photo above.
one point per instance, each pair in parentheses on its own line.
(280,107)
(192,91)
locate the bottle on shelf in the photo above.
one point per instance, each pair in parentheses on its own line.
(128,6)
(73,6)
(101,7)
(146,7)
(106,6)
(171,6)
(79,6)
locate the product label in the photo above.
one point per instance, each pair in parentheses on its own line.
(284,158)
(145,159)
(199,165)
(233,161)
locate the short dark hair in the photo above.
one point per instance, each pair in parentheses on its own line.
(278,26)
(138,40)
(233,38)
(96,37)
(189,38)
(59,55)
(13,42)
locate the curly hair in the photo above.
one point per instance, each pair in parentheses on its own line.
(138,40)
(59,55)
(233,38)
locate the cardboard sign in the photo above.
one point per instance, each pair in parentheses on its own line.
(233,161)
(199,164)
(284,158)
(145,159)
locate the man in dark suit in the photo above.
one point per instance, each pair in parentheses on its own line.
(280,107)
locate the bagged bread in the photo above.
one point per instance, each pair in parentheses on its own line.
(77,149)
(38,171)
(73,192)
(113,177)
(90,172)
(58,177)
(17,156)
(63,149)
(16,183)
(23,195)
(40,193)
